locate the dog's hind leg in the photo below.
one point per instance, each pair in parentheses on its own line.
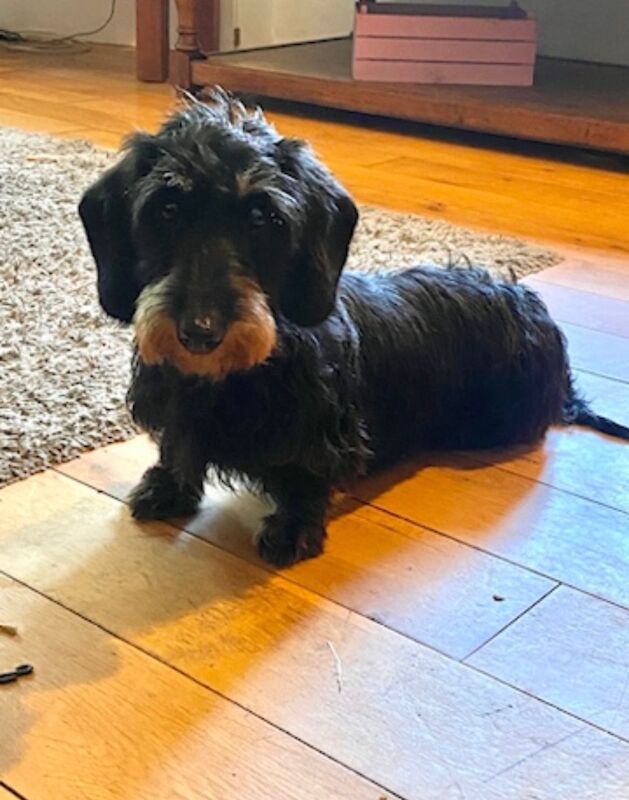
(171,488)
(297,529)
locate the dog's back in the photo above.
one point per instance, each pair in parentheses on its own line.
(453,359)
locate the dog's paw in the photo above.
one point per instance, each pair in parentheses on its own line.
(283,542)
(159,496)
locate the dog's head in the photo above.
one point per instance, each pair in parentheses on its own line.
(204,232)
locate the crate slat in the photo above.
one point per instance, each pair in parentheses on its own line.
(439,72)
(487,52)
(410,26)
(512,11)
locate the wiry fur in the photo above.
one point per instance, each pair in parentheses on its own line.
(341,376)
(249,340)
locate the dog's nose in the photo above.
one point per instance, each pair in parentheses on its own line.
(200,335)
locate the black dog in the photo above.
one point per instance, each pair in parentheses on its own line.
(224,244)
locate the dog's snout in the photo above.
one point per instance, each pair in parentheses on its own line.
(201,334)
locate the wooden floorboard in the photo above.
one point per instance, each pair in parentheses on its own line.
(34,122)
(584,646)
(601,353)
(522,562)
(384,706)
(434,590)
(565,537)
(607,397)
(578,461)
(590,277)
(100,720)
(593,311)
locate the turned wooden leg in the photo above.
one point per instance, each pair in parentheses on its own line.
(198,31)
(187,45)
(151,39)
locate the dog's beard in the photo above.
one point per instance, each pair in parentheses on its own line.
(249,340)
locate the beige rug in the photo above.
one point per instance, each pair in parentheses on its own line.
(63,366)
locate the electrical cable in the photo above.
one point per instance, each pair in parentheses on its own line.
(46,42)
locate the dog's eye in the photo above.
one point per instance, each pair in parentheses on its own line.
(257,217)
(169,210)
(262,214)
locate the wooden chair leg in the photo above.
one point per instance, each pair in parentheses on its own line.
(151,40)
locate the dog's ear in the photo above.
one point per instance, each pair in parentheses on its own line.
(105,211)
(330,216)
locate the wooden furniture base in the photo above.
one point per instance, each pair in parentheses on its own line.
(571,103)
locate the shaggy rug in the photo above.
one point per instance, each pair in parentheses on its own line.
(63,366)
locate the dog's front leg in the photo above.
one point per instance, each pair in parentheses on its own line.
(297,529)
(174,486)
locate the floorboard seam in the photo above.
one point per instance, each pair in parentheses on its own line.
(510,623)
(12,791)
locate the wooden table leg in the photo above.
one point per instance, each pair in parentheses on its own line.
(198,32)
(187,45)
(151,40)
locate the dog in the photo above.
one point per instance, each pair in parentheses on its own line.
(258,358)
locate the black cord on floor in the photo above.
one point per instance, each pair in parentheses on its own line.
(42,42)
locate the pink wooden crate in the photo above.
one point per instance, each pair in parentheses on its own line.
(444,44)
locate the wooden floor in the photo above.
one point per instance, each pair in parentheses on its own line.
(466,634)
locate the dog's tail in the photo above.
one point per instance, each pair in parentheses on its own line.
(577,411)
